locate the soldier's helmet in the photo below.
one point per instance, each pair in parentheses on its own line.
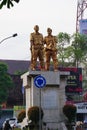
(36,27)
(49,30)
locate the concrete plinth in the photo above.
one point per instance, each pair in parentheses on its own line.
(52,97)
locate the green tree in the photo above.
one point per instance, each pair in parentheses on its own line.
(63,41)
(76,52)
(79,48)
(5,82)
(9,3)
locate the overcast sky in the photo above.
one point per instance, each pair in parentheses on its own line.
(60,15)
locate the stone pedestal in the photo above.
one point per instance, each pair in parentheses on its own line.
(52,95)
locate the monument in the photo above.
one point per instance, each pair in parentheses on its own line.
(51,97)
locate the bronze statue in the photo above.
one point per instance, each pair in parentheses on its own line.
(50,50)
(37,48)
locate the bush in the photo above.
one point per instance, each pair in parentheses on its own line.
(69,111)
(21,116)
(33,114)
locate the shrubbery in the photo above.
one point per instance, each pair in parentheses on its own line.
(21,116)
(33,114)
(69,111)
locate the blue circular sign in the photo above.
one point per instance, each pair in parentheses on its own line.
(39,81)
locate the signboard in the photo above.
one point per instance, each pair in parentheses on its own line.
(74,81)
(39,81)
(83,26)
(81,108)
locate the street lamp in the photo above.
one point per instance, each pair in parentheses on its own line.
(14,35)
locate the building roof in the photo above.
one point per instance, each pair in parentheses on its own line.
(16,65)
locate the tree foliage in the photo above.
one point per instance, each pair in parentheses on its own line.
(74,53)
(63,40)
(79,45)
(5,82)
(9,3)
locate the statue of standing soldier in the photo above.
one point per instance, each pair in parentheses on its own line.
(51,50)
(37,48)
